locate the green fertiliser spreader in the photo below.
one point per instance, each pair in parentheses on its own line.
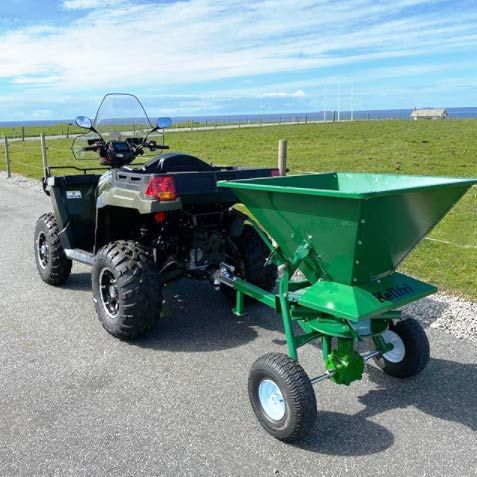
(346,233)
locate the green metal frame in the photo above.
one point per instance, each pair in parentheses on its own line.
(345,363)
(347,233)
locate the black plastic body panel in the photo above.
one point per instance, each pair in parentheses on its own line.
(194,186)
(77,215)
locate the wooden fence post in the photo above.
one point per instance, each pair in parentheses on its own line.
(7,158)
(282,157)
(23,133)
(44,156)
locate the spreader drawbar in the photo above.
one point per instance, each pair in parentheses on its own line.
(347,233)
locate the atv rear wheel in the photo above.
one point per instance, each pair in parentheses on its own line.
(51,262)
(127,289)
(249,262)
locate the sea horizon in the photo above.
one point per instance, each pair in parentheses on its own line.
(468,112)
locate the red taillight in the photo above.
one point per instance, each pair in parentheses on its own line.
(159,217)
(275,172)
(162,188)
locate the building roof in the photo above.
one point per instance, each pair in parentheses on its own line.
(428,112)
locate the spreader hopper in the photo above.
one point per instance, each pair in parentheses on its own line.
(359,226)
(347,233)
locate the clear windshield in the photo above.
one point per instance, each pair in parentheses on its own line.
(121,116)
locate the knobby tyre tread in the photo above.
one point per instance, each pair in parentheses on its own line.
(251,263)
(139,288)
(59,265)
(297,390)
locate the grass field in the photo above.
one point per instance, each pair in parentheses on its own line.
(405,147)
(69,128)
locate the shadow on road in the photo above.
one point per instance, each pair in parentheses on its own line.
(347,435)
(78,282)
(197,318)
(445,389)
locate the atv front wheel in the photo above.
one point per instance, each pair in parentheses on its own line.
(51,262)
(249,258)
(127,289)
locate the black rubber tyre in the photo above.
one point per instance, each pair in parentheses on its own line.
(296,391)
(416,349)
(127,289)
(51,262)
(249,260)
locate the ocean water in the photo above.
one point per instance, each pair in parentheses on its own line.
(454,113)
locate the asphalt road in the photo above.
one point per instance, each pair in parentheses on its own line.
(75,401)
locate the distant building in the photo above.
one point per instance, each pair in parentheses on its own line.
(429,113)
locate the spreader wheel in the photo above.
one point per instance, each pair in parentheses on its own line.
(410,352)
(282,397)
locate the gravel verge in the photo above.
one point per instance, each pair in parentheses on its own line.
(452,314)
(24,182)
(449,313)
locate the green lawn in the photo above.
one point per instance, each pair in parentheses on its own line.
(71,128)
(32,131)
(407,147)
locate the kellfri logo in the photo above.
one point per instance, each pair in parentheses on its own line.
(392,293)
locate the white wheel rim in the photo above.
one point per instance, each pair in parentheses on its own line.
(271,399)
(395,355)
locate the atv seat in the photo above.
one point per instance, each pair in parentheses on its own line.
(176,162)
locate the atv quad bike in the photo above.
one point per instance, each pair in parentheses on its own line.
(142,226)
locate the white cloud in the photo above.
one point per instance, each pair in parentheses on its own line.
(167,44)
(161,46)
(89,4)
(42,114)
(299,93)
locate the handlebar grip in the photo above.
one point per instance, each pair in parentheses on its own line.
(90,148)
(162,147)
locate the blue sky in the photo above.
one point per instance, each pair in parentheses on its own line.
(197,57)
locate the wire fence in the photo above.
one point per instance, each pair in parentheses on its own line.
(37,153)
(67,131)
(25,157)
(25,132)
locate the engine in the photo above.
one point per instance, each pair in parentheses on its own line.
(192,242)
(207,250)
